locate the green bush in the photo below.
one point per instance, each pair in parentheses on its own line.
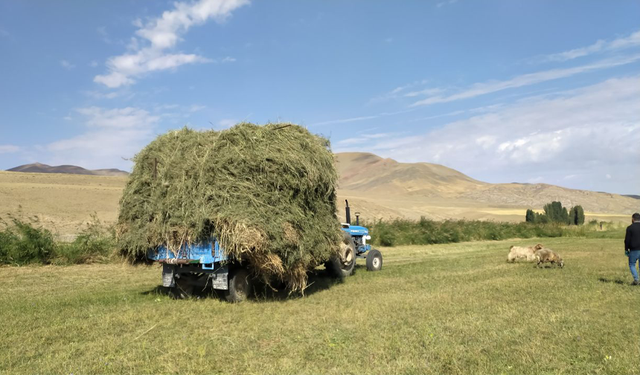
(95,243)
(23,242)
(425,232)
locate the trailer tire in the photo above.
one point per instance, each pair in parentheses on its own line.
(339,267)
(183,288)
(374,260)
(240,285)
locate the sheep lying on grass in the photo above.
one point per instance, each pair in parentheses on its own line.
(548,256)
(526,253)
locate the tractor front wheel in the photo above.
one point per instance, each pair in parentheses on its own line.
(374,260)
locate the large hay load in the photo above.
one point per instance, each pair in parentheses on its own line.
(266,193)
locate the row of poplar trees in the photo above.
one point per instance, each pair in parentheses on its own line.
(555,213)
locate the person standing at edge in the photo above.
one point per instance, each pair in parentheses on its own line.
(632,246)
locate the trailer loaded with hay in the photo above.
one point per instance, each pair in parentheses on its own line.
(226,208)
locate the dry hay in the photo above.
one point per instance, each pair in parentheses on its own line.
(267,193)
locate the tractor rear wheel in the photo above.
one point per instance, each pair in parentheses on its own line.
(240,285)
(374,260)
(342,265)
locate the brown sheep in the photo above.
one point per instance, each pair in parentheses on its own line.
(528,253)
(548,256)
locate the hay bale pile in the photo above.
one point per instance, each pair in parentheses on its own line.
(267,193)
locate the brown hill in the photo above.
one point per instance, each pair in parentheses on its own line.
(69,169)
(386,188)
(370,173)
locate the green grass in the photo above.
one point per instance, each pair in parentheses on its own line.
(454,309)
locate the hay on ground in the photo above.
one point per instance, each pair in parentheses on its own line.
(267,193)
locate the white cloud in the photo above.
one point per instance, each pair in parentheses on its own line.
(361,118)
(102,31)
(479,89)
(161,34)
(345,120)
(226,123)
(128,117)
(113,80)
(196,108)
(110,136)
(590,132)
(431,91)
(632,40)
(397,92)
(454,113)
(363,139)
(67,65)
(93,64)
(8,149)
(102,95)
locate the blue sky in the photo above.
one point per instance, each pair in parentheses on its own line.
(504,91)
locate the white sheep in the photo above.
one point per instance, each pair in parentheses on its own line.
(523,253)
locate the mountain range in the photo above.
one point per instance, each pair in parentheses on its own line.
(70,169)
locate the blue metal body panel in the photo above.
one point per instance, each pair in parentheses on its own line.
(210,253)
(204,253)
(355,230)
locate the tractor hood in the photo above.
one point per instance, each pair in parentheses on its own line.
(355,230)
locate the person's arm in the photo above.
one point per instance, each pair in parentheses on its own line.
(627,240)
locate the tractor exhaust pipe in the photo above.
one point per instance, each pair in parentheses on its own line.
(347,211)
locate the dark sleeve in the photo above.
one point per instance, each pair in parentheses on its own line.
(627,239)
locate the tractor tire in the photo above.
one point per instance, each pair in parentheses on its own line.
(343,266)
(374,260)
(183,288)
(240,285)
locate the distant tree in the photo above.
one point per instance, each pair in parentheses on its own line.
(564,216)
(555,213)
(576,215)
(579,219)
(530,216)
(541,218)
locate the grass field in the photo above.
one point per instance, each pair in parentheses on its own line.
(456,308)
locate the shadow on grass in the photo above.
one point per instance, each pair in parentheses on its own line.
(319,280)
(615,281)
(158,291)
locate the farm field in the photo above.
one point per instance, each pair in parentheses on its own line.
(63,203)
(457,308)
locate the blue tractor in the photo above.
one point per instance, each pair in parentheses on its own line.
(354,245)
(202,264)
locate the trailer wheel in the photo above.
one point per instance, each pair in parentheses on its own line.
(183,288)
(342,265)
(374,260)
(240,285)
